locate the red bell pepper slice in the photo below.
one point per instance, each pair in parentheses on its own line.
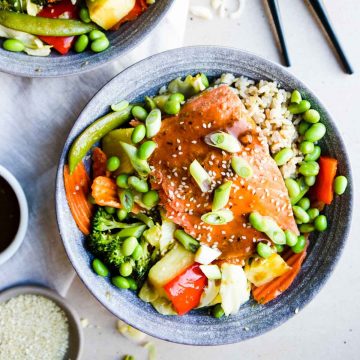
(186,289)
(323,188)
(139,7)
(63,9)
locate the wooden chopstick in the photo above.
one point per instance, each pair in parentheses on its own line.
(320,11)
(275,13)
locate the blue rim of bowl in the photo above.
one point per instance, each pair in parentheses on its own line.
(329,263)
(83,65)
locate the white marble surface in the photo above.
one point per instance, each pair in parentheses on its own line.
(329,327)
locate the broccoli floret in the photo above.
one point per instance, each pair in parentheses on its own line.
(103,221)
(190,86)
(148,258)
(100,242)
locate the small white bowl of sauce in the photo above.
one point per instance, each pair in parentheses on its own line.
(14,215)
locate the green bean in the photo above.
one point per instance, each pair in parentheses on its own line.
(120,282)
(110,210)
(121,214)
(258,222)
(84,15)
(137,184)
(310,168)
(221,196)
(150,199)
(122,181)
(217,311)
(139,112)
(279,248)
(100,45)
(137,253)
(320,223)
(283,156)
(150,103)
(138,134)
(100,268)
(313,213)
(126,269)
(129,245)
(113,163)
(153,123)
(310,180)
(306,228)
(291,238)
(311,116)
(13,45)
(96,34)
(81,43)
(300,245)
(303,126)
(306,147)
(340,184)
(133,231)
(264,250)
(177,97)
(120,106)
(132,284)
(187,241)
(301,214)
(241,167)
(126,199)
(295,97)
(292,187)
(304,203)
(299,108)
(315,132)
(146,149)
(172,107)
(314,155)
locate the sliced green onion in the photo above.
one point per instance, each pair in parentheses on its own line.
(141,166)
(126,199)
(153,123)
(221,196)
(187,241)
(241,167)
(200,175)
(145,219)
(220,217)
(122,105)
(223,141)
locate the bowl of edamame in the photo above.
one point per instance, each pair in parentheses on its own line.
(218,173)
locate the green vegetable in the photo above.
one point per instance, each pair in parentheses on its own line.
(340,184)
(314,155)
(200,175)
(258,222)
(150,103)
(190,86)
(153,123)
(300,245)
(149,222)
(301,214)
(315,132)
(94,133)
(309,168)
(219,217)
(292,187)
(135,231)
(172,107)
(306,228)
(96,34)
(104,221)
(122,181)
(311,116)
(283,156)
(178,97)
(129,245)
(151,198)
(296,97)
(223,141)
(120,282)
(137,253)
(221,196)
(241,167)
(113,163)
(100,268)
(138,134)
(291,238)
(126,269)
(121,214)
(217,311)
(146,149)
(299,108)
(129,357)
(141,166)
(110,210)
(264,250)
(303,190)
(306,147)
(187,241)
(139,112)
(137,184)
(160,101)
(132,284)
(279,248)
(126,199)
(304,203)
(81,43)
(43,26)
(313,213)
(100,45)
(310,180)
(84,15)
(13,45)
(320,223)
(303,126)
(122,105)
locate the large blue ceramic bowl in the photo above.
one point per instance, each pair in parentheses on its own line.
(121,41)
(198,328)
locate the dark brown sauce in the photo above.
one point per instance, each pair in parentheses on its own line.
(9,214)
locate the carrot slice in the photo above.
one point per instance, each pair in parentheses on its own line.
(77,188)
(99,159)
(104,192)
(267,292)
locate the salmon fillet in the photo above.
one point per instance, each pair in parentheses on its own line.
(181,140)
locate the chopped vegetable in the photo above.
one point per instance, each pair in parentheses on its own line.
(163,306)
(223,141)
(221,196)
(104,192)
(141,166)
(190,86)
(211,291)
(206,255)
(212,272)
(153,123)
(187,241)
(219,217)
(200,175)
(241,167)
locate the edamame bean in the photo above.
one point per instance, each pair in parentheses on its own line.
(84,15)
(313,213)
(283,156)
(340,184)
(306,147)
(100,45)
(120,282)
(172,107)
(311,116)
(126,269)
(13,45)
(315,132)
(295,97)
(139,112)
(113,163)
(81,43)
(150,199)
(303,126)
(132,284)
(291,238)
(96,34)
(301,214)
(304,203)
(306,228)
(126,199)
(310,180)
(264,250)
(121,214)
(314,155)
(218,311)
(137,254)
(292,187)
(122,181)
(320,223)
(177,97)
(310,168)
(138,184)
(299,108)
(100,268)
(146,149)
(138,133)
(110,210)
(300,245)
(129,245)
(258,222)
(279,248)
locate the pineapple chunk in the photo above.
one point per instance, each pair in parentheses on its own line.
(262,271)
(107,13)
